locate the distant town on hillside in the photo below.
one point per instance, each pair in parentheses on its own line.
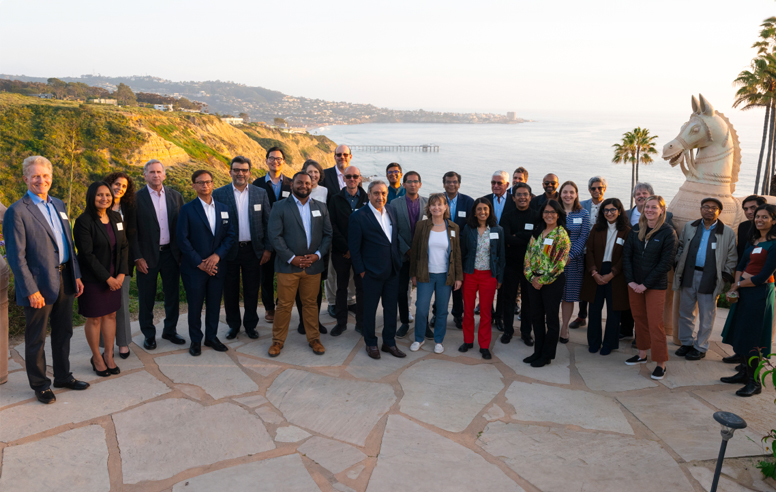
(258,104)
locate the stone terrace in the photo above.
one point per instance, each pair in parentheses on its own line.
(241,421)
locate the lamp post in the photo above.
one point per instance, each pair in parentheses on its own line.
(730,423)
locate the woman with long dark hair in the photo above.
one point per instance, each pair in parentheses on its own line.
(604,279)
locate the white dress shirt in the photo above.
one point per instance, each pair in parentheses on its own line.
(241,198)
(159,199)
(635,216)
(384,220)
(340,177)
(594,213)
(307,222)
(210,213)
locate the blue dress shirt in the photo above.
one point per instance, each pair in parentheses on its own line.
(52,217)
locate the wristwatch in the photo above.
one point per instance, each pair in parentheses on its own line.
(738,284)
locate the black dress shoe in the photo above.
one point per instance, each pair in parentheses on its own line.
(563,340)
(195,349)
(540,362)
(45,396)
(751,388)
(733,359)
(352,308)
(331,311)
(102,374)
(253,334)
(216,345)
(683,350)
(149,343)
(465,347)
(528,341)
(505,339)
(393,350)
(372,352)
(232,333)
(486,354)
(73,384)
(739,378)
(458,322)
(175,338)
(499,324)
(124,355)
(402,331)
(337,330)
(532,358)
(695,355)
(300,329)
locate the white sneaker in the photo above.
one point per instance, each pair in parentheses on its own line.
(438,348)
(416,346)
(410,317)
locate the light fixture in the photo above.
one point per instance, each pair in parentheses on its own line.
(730,423)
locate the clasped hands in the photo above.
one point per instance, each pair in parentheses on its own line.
(304,261)
(637,288)
(210,264)
(602,279)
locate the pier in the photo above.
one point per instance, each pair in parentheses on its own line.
(396,148)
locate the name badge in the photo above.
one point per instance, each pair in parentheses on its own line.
(257,208)
(713,245)
(578,220)
(316,213)
(224,215)
(120,226)
(529,227)
(757,251)
(452,233)
(462,214)
(620,241)
(494,235)
(63,215)
(424,218)
(285,194)
(547,242)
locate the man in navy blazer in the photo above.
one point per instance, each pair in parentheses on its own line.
(373,240)
(249,210)
(460,206)
(334,177)
(205,236)
(40,250)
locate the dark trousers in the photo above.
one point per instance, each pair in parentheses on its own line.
(247,263)
(611,339)
(457,311)
(61,314)
(201,288)
(343,266)
(146,294)
(626,323)
(545,303)
(498,314)
(403,284)
(374,290)
(514,278)
(582,310)
(268,284)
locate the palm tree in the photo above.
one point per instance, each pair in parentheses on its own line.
(644,145)
(625,153)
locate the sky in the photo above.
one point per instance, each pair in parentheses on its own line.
(488,56)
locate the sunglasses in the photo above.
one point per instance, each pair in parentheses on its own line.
(341,154)
(352,176)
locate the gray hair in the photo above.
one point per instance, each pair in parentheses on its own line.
(599,179)
(36,160)
(375,183)
(503,174)
(643,186)
(152,161)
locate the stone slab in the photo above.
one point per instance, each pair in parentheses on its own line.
(73,460)
(364,367)
(453,340)
(252,401)
(260,367)
(341,409)
(705,372)
(448,394)
(286,473)
(414,458)
(609,373)
(495,412)
(558,372)
(297,351)
(16,389)
(110,396)
(541,403)
(691,430)
(562,460)
(163,438)
(13,365)
(759,411)
(355,472)
(291,434)
(706,477)
(335,456)
(214,372)
(164,346)
(269,416)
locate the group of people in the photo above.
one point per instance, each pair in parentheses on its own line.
(371,246)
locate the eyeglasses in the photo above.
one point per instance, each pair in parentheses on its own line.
(598,188)
(549,212)
(498,183)
(352,176)
(548,183)
(707,208)
(276,159)
(341,154)
(392,173)
(203,183)
(610,211)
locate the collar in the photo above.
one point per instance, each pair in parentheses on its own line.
(299,202)
(374,210)
(452,199)
(339,173)
(212,203)
(36,199)
(717,230)
(151,190)
(234,188)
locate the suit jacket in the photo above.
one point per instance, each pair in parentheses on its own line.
(130,231)
(146,242)
(94,251)
(594,258)
(403,220)
(464,204)
(588,205)
(509,205)
(285,188)
(286,231)
(197,241)
(744,229)
(669,217)
(258,217)
(339,213)
(31,251)
(370,250)
(539,201)
(331,182)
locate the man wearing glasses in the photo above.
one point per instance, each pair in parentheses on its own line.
(334,177)
(550,185)
(597,187)
(249,209)
(205,236)
(394,174)
(278,187)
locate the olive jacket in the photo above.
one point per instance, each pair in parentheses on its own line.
(419,252)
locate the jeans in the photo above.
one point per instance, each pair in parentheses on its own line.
(436,286)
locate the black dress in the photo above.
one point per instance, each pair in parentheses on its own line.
(97,299)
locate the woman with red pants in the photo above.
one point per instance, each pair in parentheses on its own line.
(482,250)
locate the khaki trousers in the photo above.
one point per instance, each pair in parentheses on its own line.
(288,284)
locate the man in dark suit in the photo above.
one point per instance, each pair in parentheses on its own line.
(278,187)
(300,231)
(41,255)
(249,209)
(373,240)
(550,185)
(749,205)
(154,251)
(460,206)
(205,236)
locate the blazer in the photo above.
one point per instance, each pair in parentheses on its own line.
(594,258)
(31,252)
(669,217)
(285,188)
(330,182)
(509,205)
(744,229)
(403,220)
(649,263)
(498,259)
(94,250)
(286,232)
(197,241)
(339,213)
(726,254)
(419,252)
(588,205)
(464,204)
(146,242)
(258,217)
(130,231)
(370,250)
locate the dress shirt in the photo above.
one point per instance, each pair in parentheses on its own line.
(340,177)
(384,220)
(210,213)
(352,199)
(275,187)
(700,258)
(413,208)
(54,221)
(307,222)
(242,199)
(159,199)
(452,204)
(594,213)
(498,205)
(635,217)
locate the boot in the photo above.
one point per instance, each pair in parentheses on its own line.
(739,378)
(753,387)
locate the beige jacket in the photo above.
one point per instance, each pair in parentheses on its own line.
(727,256)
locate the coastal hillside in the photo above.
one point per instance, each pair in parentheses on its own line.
(92,140)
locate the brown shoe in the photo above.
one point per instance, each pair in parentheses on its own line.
(317,347)
(393,350)
(373,352)
(269,315)
(275,349)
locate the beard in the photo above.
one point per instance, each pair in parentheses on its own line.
(302,193)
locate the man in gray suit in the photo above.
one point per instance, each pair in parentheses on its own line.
(40,250)
(250,207)
(597,187)
(300,232)
(410,209)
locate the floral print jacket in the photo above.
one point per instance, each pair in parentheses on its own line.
(546,257)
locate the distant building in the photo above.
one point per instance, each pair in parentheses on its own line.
(511,115)
(43,96)
(233,121)
(114,102)
(163,107)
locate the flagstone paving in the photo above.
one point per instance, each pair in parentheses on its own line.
(241,420)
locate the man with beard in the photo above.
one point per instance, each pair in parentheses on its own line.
(550,185)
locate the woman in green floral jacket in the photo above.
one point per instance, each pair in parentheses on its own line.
(545,260)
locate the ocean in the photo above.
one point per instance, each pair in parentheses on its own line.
(575,147)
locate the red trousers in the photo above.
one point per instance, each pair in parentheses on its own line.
(647,309)
(482,281)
